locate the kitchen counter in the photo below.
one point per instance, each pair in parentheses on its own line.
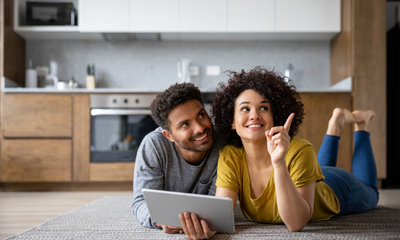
(344,86)
(134,90)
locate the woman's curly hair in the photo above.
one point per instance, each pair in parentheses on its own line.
(282,96)
(166,101)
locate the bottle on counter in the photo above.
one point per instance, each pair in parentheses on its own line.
(31,77)
(52,78)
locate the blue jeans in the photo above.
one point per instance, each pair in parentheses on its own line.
(357,191)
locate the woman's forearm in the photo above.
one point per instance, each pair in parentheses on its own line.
(293,208)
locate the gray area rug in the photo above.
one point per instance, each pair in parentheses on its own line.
(110,218)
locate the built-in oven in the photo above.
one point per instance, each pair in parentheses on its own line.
(119,123)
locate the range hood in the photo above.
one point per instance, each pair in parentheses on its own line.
(129,37)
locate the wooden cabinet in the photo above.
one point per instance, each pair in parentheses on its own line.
(46,138)
(37,132)
(154,15)
(104,15)
(251,16)
(318,108)
(36,160)
(37,115)
(308,15)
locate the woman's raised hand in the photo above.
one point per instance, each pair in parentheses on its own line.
(278,141)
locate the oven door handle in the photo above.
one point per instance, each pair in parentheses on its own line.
(99,111)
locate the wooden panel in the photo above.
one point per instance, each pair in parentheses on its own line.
(112,172)
(318,109)
(341,48)
(36,160)
(37,115)
(14,53)
(370,71)
(360,50)
(81,138)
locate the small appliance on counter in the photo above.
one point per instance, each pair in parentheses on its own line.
(31,77)
(71,84)
(51,13)
(52,78)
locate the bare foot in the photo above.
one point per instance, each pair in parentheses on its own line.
(362,119)
(340,117)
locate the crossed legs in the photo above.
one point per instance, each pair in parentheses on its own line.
(363,163)
(357,192)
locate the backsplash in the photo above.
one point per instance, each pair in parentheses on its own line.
(153,65)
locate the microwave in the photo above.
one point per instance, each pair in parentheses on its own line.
(51,13)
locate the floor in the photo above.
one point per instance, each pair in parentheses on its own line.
(20,211)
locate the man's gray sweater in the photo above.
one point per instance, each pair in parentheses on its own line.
(159,166)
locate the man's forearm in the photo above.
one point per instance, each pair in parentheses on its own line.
(141,213)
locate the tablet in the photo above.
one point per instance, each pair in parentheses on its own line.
(165,207)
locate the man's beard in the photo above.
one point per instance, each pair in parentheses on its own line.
(190,145)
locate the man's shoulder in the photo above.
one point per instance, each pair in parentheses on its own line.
(156,135)
(157,139)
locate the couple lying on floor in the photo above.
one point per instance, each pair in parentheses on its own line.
(277,177)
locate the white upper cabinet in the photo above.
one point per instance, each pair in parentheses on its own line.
(195,19)
(202,16)
(308,15)
(104,15)
(154,15)
(251,15)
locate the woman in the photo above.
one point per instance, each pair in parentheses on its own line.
(277,177)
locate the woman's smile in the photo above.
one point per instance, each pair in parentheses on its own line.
(255,126)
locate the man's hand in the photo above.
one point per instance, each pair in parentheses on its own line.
(170,229)
(193,228)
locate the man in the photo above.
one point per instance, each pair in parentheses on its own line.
(180,155)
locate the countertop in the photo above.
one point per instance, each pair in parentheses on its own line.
(344,86)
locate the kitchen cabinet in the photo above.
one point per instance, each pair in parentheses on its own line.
(195,20)
(36,160)
(318,108)
(308,15)
(154,15)
(202,16)
(46,138)
(104,15)
(251,16)
(37,138)
(37,116)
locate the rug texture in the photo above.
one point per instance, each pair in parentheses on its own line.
(111,218)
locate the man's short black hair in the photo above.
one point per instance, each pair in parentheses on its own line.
(166,101)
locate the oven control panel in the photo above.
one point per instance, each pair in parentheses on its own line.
(137,100)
